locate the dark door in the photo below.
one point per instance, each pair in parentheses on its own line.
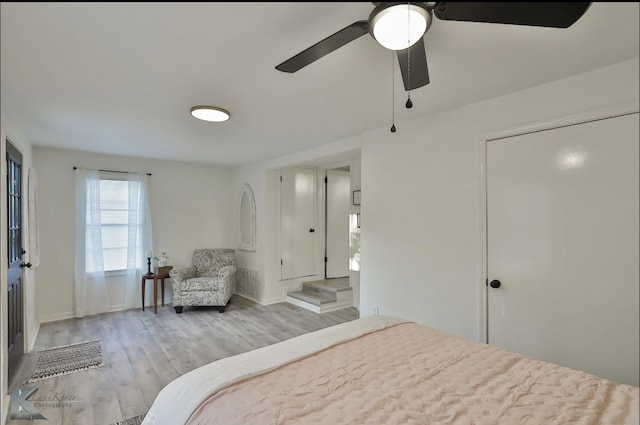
(14,253)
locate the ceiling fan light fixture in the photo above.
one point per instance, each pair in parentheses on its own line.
(210,113)
(399,26)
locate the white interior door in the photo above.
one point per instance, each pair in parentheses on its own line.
(338,198)
(562,239)
(297,222)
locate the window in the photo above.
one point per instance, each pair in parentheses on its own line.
(113,224)
(114,213)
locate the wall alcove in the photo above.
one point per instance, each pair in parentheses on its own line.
(247,219)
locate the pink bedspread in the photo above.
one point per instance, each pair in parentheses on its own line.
(412,374)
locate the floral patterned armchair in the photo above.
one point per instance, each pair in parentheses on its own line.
(209,282)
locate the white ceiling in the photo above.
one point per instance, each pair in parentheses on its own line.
(120,78)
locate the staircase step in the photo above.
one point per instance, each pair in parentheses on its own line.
(315,298)
(327,285)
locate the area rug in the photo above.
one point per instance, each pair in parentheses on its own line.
(136,420)
(67,359)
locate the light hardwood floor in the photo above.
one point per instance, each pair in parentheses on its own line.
(144,351)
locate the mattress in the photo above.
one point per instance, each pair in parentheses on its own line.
(384,370)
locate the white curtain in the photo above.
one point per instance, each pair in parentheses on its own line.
(139,236)
(91,296)
(91,293)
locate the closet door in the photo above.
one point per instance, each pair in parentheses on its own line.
(297,222)
(562,246)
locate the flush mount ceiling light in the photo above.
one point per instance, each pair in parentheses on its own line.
(398,26)
(210,113)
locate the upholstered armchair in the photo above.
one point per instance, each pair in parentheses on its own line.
(209,281)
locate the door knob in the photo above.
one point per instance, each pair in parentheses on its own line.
(312,230)
(27,265)
(495,283)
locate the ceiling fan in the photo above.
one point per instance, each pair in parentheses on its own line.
(416,18)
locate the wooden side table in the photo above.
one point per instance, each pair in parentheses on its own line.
(160,274)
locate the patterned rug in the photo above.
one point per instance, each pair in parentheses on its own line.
(67,359)
(136,420)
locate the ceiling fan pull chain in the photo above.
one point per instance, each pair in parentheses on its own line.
(409,103)
(393,92)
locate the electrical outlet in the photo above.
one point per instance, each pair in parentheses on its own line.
(376,310)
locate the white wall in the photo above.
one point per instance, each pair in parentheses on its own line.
(421,253)
(190,209)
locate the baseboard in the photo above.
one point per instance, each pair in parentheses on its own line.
(250,298)
(113,308)
(147,303)
(262,302)
(274,301)
(57,317)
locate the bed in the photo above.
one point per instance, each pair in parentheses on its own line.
(385,370)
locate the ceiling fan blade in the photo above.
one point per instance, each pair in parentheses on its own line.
(540,14)
(324,47)
(416,75)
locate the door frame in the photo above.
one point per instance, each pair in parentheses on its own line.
(612,111)
(5,264)
(4,267)
(322,210)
